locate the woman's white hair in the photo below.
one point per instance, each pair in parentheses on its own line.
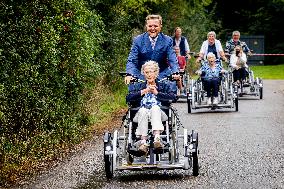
(210,54)
(151,63)
(211,33)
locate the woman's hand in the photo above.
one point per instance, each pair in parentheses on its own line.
(145,91)
(153,89)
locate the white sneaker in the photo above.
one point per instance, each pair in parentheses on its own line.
(209,102)
(215,100)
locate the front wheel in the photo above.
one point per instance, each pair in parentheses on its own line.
(188,106)
(195,165)
(108,157)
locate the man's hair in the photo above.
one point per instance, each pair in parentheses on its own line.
(211,33)
(152,17)
(210,54)
(151,63)
(236,33)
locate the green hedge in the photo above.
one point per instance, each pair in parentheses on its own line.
(50,52)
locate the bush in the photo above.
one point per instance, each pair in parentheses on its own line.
(50,52)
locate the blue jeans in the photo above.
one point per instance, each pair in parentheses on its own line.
(212,87)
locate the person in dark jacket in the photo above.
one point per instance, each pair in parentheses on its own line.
(152,45)
(181,42)
(150,96)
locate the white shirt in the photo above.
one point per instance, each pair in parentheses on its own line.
(204,48)
(153,41)
(238,61)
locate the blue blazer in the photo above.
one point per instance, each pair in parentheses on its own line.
(163,53)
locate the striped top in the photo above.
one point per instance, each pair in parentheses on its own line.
(209,72)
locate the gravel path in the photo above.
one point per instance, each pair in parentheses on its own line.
(242,149)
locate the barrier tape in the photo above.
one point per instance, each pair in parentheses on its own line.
(267,54)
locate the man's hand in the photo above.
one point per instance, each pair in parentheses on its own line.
(224,71)
(236,67)
(198,72)
(176,76)
(127,79)
(224,58)
(198,60)
(249,53)
(188,56)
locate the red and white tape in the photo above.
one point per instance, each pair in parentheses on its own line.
(268,54)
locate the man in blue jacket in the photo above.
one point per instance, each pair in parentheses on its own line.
(152,45)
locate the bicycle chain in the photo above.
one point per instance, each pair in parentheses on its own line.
(175,112)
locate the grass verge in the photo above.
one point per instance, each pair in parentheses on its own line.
(269,72)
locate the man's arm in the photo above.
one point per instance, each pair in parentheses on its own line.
(227,47)
(221,51)
(187,50)
(245,48)
(132,61)
(172,58)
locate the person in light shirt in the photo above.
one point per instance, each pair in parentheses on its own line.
(238,61)
(212,45)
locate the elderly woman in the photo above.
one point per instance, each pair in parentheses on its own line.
(238,61)
(151,95)
(210,72)
(212,45)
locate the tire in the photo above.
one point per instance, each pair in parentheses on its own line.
(188,106)
(261,93)
(186,163)
(195,165)
(108,163)
(108,166)
(236,104)
(129,159)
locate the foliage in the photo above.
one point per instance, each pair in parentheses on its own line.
(46,63)
(254,17)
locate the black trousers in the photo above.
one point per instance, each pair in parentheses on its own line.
(240,74)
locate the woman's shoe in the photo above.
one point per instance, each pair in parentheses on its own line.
(215,101)
(209,102)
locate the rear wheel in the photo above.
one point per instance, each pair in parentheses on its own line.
(260,93)
(236,104)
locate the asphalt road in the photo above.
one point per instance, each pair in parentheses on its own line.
(242,149)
